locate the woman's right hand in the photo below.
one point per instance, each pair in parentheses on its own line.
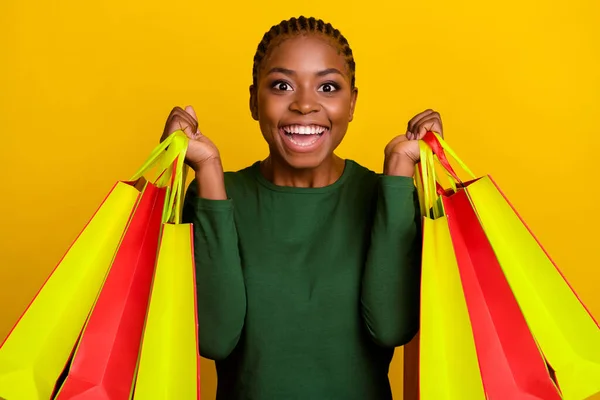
(202,155)
(201,151)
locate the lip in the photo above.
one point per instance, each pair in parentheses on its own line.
(296,148)
(304,123)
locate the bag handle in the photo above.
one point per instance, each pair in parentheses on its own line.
(173,211)
(427,183)
(439,148)
(164,155)
(169,157)
(432,147)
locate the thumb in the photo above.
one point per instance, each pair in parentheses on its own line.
(190,110)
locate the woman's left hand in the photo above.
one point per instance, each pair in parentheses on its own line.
(402,153)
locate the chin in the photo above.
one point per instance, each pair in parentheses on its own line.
(304,161)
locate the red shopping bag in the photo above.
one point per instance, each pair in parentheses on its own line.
(510,361)
(104,362)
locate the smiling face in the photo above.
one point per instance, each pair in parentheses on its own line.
(303,99)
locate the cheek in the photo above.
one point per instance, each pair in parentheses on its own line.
(339,110)
(270,109)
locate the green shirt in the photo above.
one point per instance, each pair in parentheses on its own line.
(303,293)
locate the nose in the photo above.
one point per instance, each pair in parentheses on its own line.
(305,102)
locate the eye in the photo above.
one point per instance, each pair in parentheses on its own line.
(281,85)
(328,87)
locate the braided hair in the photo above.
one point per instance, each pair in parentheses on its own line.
(298,26)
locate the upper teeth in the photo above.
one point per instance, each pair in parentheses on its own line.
(305,130)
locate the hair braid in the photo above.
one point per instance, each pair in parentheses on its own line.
(297,26)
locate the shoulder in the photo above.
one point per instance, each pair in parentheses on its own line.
(241,181)
(235,181)
(367,179)
(359,175)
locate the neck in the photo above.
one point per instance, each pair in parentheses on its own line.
(282,174)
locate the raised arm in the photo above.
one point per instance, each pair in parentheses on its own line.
(220,284)
(219,278)
(391,280)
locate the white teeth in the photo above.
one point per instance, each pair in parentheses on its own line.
(304,144)
(304,130)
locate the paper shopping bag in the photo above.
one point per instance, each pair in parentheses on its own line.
(39,346)
(564,330)
(448,364)
(105,361)
(510,361)
(169,361)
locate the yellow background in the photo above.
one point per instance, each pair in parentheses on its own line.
(85,88)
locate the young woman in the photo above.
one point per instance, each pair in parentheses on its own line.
(307,263)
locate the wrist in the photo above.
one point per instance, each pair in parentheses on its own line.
(399,165)
(210,164)
(210,181)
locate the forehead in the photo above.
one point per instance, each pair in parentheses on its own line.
(308,52)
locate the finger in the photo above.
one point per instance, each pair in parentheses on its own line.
(190,111)
(394,142)
(415,120)
(429,125)
(183,114)
(184,121)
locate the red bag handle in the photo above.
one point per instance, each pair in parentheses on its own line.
(432,141)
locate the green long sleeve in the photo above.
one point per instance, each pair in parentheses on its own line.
(391,281)
(219,280)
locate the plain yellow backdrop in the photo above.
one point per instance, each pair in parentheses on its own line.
(85,88)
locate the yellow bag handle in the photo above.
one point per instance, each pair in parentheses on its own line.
(168,157)
(174,144)
(426,182)
(173,212)
(433,148)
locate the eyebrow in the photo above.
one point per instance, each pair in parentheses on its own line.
(290,72)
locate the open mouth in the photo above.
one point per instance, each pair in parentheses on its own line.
(303,135)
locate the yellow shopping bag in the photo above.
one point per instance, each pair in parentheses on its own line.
(565,331)
(39,346)
(169,361)
(448,364)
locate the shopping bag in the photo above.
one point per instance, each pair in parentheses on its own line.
(510,361)
(448,363)
(105,360)
(565,331)
(39,346)
(169,360)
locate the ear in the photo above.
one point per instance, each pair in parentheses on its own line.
(353,100)
(253,103)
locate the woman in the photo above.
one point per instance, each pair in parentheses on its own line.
(307,264)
